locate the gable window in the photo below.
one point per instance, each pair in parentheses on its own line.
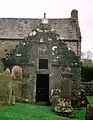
(43,63)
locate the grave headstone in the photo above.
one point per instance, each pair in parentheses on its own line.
(63,103)
(66,86)
(6,86)
(89,112)
(55,94)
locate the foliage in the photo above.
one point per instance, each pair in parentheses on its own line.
(66,58)
(87,73)
(86,55)
(87,63)
(87,70)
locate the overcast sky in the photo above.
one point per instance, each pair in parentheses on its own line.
(54,9)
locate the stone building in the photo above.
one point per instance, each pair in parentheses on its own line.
(42,68)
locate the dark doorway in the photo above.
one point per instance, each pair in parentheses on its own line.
(42,88)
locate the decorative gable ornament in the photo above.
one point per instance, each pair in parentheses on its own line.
(40,30)
(54,47)
(24,43)
(61,38)
(69,48)
(44,20)
(30,34)
(58,38)
(33,33)
(52,30)
(37,29)
(49,39)
(18,55)
(46,30)
(41,40)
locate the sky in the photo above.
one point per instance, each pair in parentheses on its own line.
(54,9)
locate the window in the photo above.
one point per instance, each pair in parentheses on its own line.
(43,63)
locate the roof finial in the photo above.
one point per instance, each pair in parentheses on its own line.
(45,20)
(44,15)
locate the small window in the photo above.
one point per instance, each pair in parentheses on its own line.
(43,63)
(5,50)
(25,22)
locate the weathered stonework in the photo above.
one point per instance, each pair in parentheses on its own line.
(6,45)
(88,87)
(13,30)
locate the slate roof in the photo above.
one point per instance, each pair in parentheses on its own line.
(20,27)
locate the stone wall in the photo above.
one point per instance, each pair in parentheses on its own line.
(88,87)
(6,45)
(54,75)
(73,46)
(29,83)
(6,87)
(11,44)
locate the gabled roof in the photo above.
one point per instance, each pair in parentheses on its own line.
(21,27)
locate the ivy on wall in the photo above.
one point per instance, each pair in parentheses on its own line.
(66,58)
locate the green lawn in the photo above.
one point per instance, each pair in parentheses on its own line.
(90,99)
(22,111)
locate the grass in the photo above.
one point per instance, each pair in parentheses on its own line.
(22,111)
(90,99)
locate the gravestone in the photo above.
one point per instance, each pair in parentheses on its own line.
(17,76)
(55,95)
(63,104)
(65,90)
(89,112)
(6,87)
(66,86)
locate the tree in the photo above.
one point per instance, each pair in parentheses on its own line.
(89,54)
(86,55)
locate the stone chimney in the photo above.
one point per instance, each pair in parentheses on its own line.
(74,15)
